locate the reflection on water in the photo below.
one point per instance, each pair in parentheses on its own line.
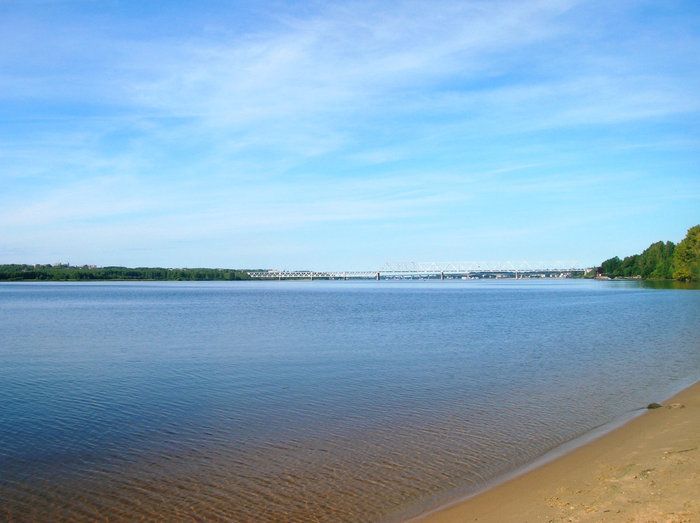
(299,401)
(669,284)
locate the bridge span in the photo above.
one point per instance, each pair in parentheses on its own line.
(441,270)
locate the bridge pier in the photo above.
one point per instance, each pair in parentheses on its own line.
(442,275)
(377,276)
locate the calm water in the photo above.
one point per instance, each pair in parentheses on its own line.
(297,401)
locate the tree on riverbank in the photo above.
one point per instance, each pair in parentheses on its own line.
(655,263)
(660,261)
(686,257)
(62,272)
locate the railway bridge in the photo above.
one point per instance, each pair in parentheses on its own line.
(441,270)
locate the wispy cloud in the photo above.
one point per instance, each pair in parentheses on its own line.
(285,122)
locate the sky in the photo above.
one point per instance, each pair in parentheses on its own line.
(344,135)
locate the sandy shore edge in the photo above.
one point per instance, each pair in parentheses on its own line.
(646,470)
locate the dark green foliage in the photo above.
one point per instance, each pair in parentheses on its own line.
(630,266)
(84,273)
(655,263)
(611,267)
(660,261)
(687,256)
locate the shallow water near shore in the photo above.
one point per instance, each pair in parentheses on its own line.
(297,401)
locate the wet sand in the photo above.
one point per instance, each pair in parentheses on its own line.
(647,470)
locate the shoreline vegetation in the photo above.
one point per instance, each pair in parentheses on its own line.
(65,272)
(660,261)
(645,470)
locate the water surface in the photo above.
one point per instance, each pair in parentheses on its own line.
(357,401)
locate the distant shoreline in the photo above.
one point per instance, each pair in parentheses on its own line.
(61,272)
(66,272)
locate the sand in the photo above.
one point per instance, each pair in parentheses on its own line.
(648,470)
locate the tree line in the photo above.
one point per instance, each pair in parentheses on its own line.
(63,272)
(660,261)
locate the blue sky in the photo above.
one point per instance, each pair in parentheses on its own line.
(342,135)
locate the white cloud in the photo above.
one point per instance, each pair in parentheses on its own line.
(336,114)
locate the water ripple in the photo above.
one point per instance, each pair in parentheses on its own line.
(317,402)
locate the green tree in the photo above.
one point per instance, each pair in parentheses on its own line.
(66,273)
(656,262)
(630,266)
(687,256)
(611,267)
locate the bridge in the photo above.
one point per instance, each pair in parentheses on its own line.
(441,270)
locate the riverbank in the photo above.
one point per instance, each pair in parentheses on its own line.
(646,470)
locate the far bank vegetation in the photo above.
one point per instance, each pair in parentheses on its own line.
(64,272)
(660,261)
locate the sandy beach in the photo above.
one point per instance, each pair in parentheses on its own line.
(648,470)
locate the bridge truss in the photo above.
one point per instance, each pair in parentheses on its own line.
(440,270)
